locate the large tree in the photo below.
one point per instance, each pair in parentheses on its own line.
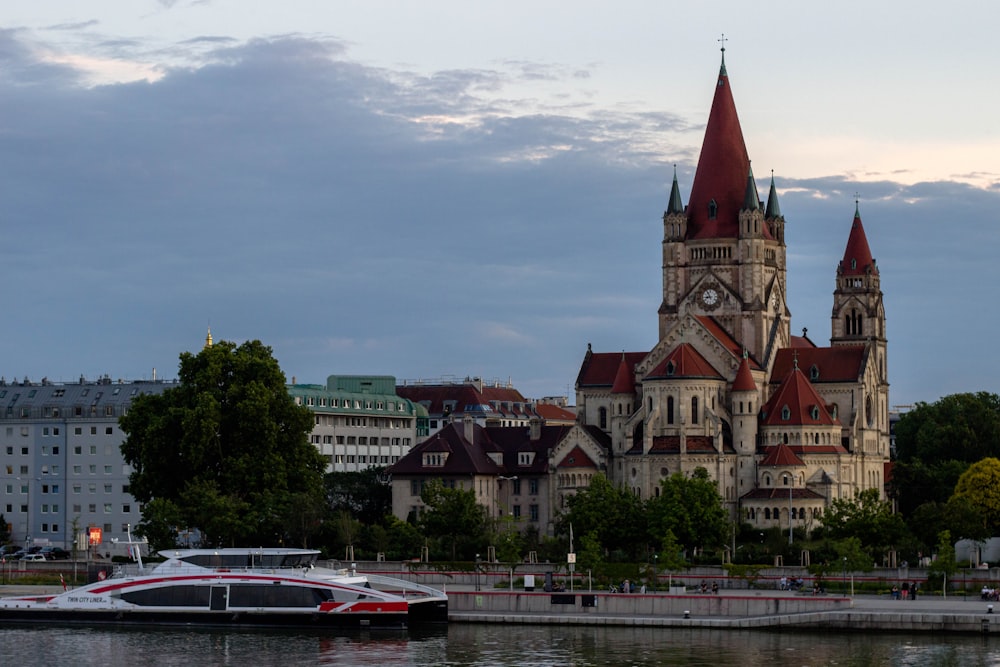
(869,519)
(613,515)
(225,452)
(453,517)
(365,494)
(979,487)
(690,509)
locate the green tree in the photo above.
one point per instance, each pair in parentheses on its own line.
(223,452)
(613,514)
(4,530)
(869,519)
(455,518)
(689,508)
(979,486)
(944,565)
(366,495)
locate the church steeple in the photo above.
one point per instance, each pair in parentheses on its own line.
(773,210)
(717,193)
(675,205)
(208,339)
(857,256)
(751,200)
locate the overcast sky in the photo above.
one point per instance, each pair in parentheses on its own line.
(434,188)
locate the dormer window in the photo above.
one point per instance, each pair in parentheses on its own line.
(670,367)
(525,458)
(786,413)
(434,459)
(713,210)
(814,413)
(814,372)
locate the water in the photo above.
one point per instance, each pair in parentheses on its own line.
(494,645)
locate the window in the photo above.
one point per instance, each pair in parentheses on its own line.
(516,487)
(533,512)
(108,430)
(694,409)
(533,487)
(126,508)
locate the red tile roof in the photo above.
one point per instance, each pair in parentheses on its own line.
(576,458)
(781,493)
(722,170)
(624,378)
(796,403)
(554,414)
(467,397)
(725,339)
(744,380)
(780,455)
(833,364)
(600,368)
(857,256)
(683,362)
(695,444)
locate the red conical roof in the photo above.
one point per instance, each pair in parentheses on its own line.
(858,256)
(744,380)
(722,170)
(624,381)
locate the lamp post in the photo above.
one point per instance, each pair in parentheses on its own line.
(477,572)
(506,504)
(788,483)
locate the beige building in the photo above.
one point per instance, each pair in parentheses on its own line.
(783,425)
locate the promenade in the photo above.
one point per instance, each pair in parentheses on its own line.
(730,609)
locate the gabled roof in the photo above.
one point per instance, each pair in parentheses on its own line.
(857,256)
(683,362)
(600,368)
(576,458)
(553,414)
(821,364)
(796,403)
(464,458)
(721,176)
(780,455)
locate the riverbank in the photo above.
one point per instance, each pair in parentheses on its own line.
(774,610)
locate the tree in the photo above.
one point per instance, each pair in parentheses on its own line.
(454,517)
(364,494)
(613,514)
(223,452)
(690,508)
(4,530)
(943,566)
(979,486)
(868,518)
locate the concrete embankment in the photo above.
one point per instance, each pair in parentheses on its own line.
(776,611)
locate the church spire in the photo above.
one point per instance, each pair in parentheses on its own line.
(719,185)
(751,200)
(676,204)
(773,210)
(208,338)
(857,256)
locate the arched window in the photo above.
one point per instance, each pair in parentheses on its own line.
(694,409)
(713,210)
(786,413)
(767,513)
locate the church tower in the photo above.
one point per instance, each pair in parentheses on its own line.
(724,254)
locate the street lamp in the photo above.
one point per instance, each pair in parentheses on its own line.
(510,478)
(788,480)
(477,572)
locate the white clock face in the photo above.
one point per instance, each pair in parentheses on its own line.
(710,297)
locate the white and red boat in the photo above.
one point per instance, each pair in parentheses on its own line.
(266,587)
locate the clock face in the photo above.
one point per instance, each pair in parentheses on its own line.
(710,297)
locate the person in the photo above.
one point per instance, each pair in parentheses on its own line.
(906,589)
(704,587)
(913,591)
(895,592)
(715,587)
(784,583)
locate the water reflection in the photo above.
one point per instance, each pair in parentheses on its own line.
(461,645)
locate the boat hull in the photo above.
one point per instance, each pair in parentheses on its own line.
(418,615)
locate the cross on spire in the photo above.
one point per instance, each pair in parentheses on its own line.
(722,40)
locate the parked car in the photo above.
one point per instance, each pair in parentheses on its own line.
(7,550)
(55,553)
(33,558)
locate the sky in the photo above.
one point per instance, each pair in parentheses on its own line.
(447,189)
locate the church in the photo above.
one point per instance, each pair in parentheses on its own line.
(784,426)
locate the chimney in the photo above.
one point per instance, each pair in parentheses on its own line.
(469,428)
(535,428)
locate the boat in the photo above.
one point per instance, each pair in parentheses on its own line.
(239,587)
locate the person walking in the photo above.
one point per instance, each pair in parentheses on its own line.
(913,591)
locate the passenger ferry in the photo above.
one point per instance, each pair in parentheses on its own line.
(266,587)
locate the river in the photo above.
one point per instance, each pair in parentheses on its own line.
(494,645)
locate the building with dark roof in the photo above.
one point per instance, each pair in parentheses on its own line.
(771,416)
